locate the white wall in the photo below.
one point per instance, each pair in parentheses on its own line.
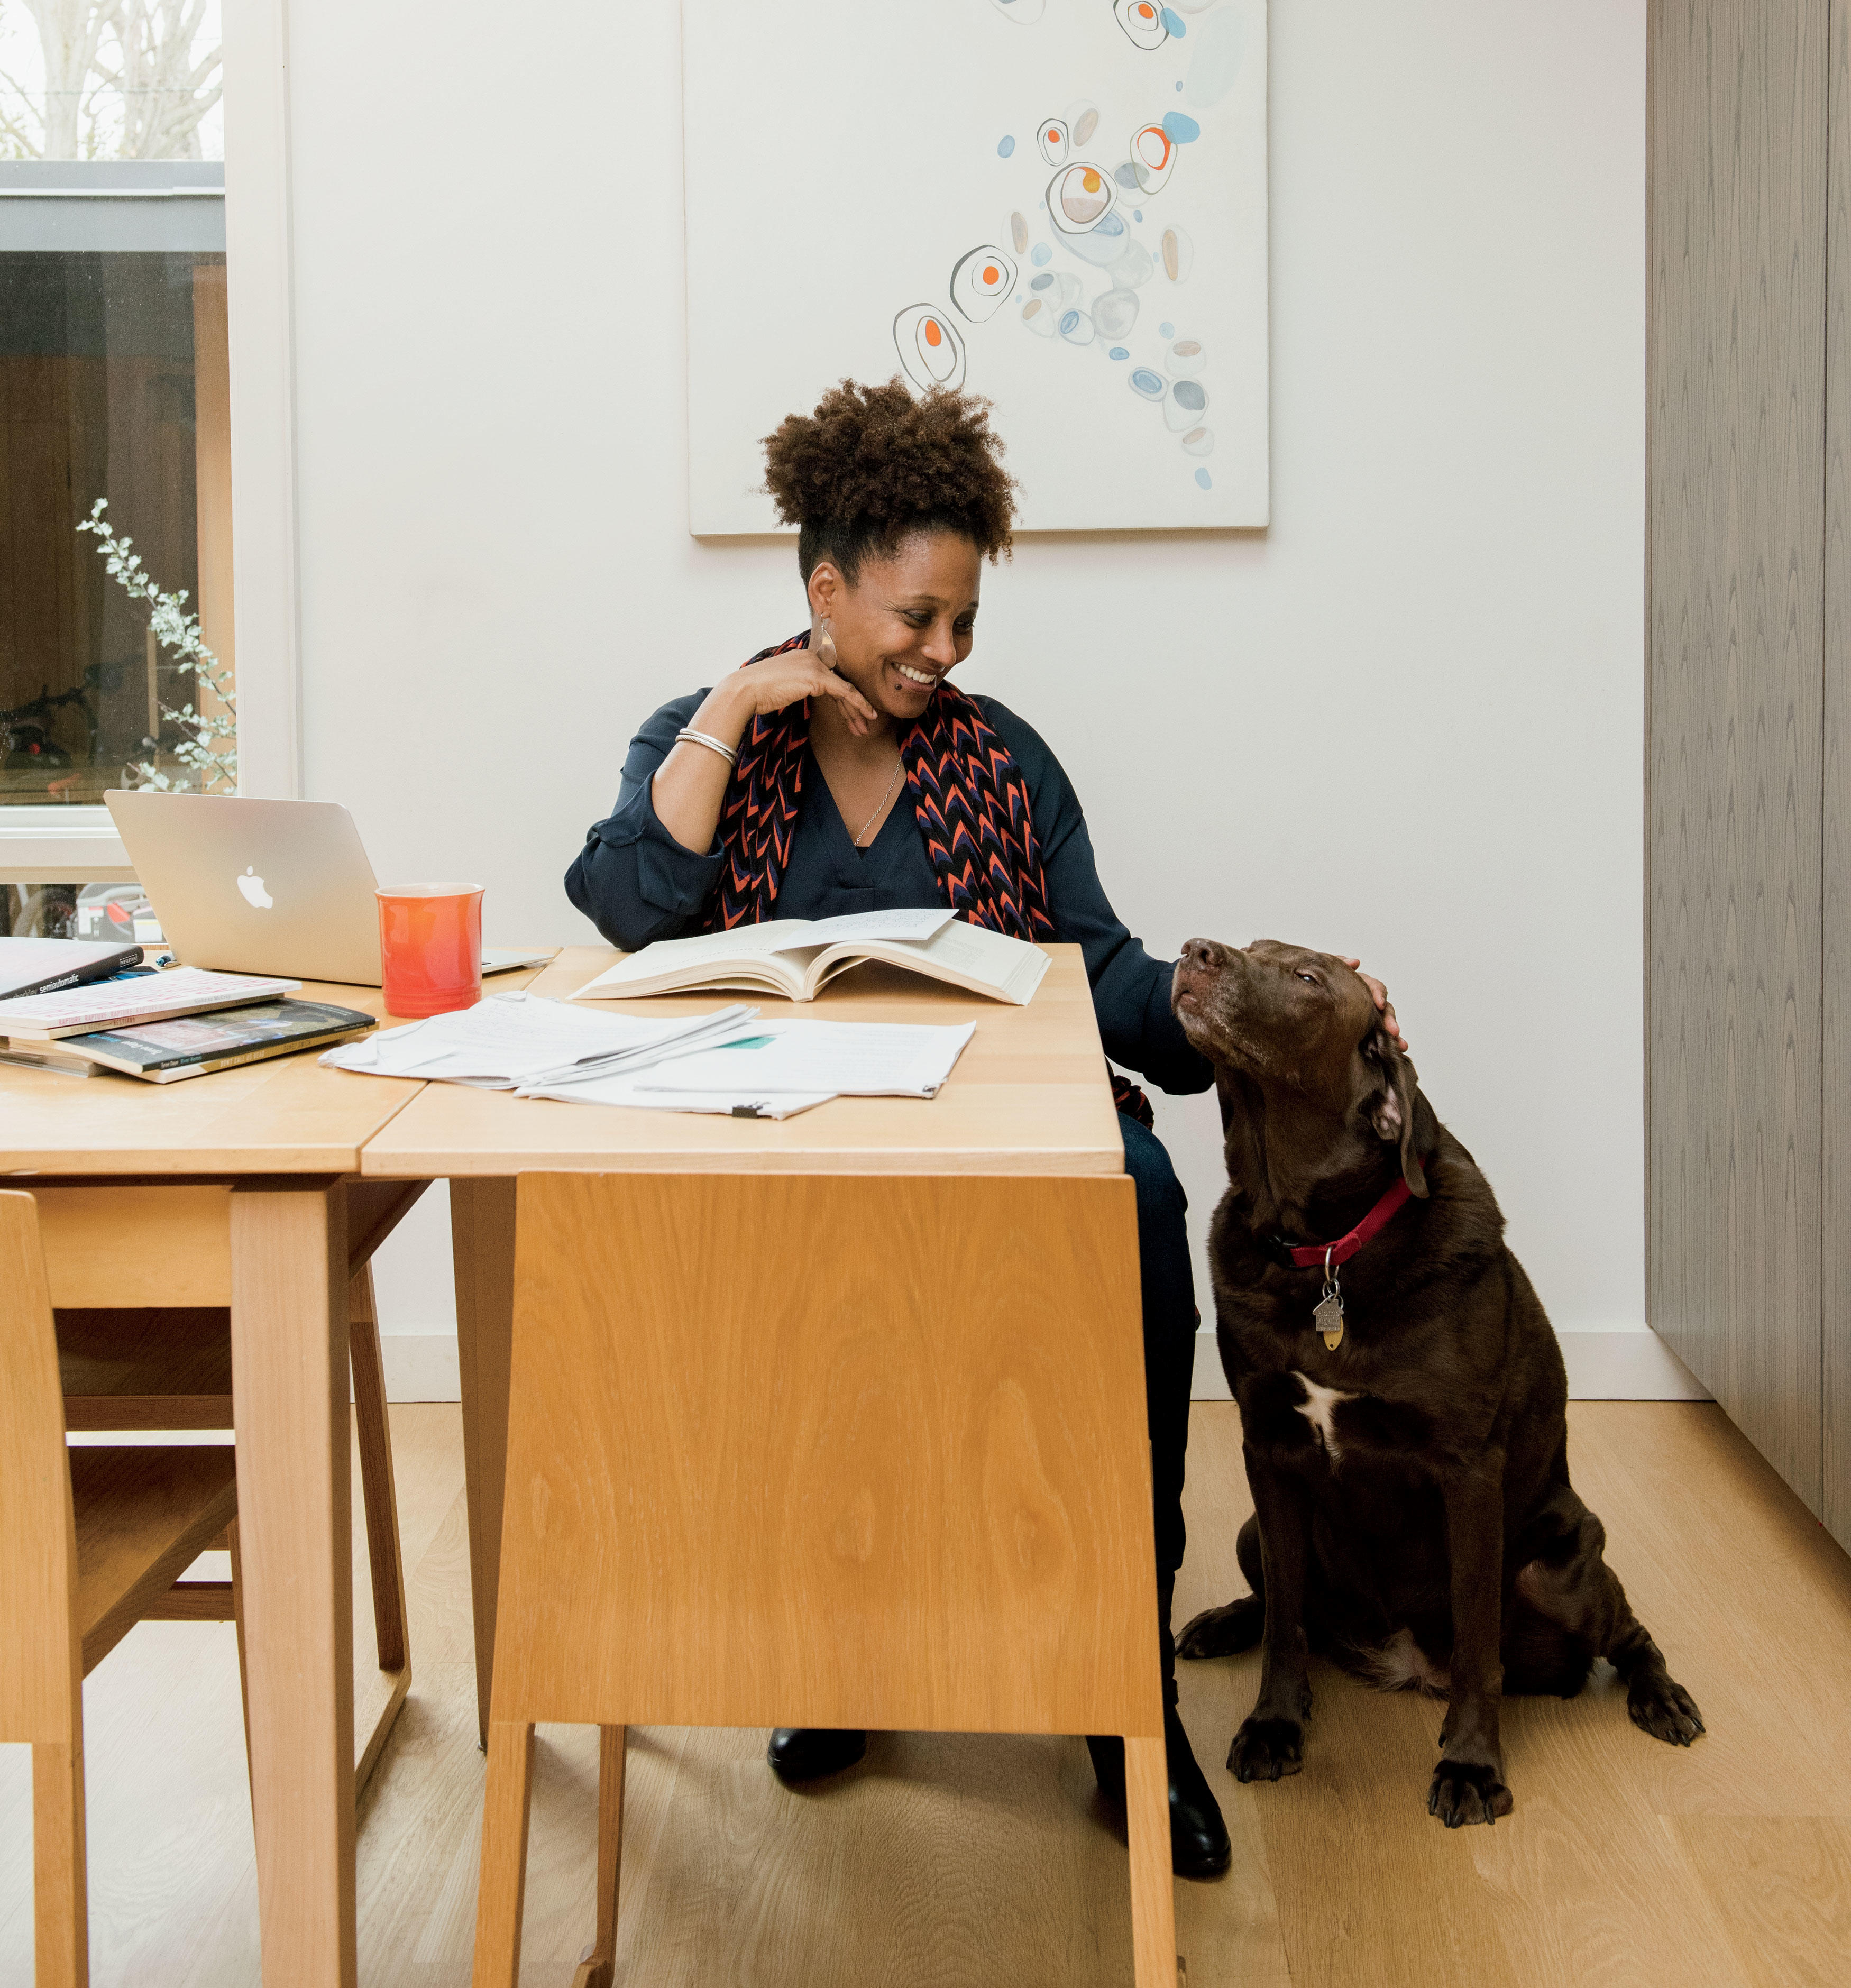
(1406,722)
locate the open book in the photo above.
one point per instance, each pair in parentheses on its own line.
(798,957)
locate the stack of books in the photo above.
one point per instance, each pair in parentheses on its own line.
(84,1015)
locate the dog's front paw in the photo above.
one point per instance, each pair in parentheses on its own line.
(1462,1793)
(1265,1748)
(1224,1632)
(1661,1706)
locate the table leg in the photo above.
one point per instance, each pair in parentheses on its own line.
(1154,1954)
(379,1693)
(289,1409)
(481,1232)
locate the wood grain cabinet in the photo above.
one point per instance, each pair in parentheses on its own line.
(1748,779)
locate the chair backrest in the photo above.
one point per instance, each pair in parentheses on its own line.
(41,1673)
(919,1403)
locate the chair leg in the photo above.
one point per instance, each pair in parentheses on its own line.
(60,1900)
(237,1620)
(499,1895)
(1153,1895)
(377,1491)
(597,1970)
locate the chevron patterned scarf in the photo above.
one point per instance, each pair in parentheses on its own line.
(972,805)
(969,795)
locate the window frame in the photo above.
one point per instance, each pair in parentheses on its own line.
(79,844)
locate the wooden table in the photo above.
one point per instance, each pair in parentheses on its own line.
(242,1189)
(253,1188)
(1028,1101)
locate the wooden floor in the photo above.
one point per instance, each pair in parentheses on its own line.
(949,1860)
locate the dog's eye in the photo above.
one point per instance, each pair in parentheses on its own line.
(1310,979)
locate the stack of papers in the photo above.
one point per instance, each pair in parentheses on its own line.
(773,1070)
(511,1040)
(729,1062)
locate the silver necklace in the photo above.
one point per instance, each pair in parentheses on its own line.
(899,762)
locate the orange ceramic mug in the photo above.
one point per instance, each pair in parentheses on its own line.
(430,947)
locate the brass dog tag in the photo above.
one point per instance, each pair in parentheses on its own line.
(1329,1319)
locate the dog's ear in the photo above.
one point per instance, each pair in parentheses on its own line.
(1396,1111)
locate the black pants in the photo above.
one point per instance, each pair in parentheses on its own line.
(1168,1291)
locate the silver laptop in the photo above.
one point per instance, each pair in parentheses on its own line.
(261,887)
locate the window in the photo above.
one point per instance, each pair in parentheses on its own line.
(113,386)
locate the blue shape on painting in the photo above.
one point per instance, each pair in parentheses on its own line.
(1173,22)
(1005,147)
(1217,62)
(1180,130)
(1168,330)
(1118,352)
(1070,321)
(1143,381)
(1204,479)
(1137,214)
(1179,87)
(1041,255)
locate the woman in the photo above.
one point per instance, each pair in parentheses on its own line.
(839,772)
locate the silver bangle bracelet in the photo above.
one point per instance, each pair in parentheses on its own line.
(712,745)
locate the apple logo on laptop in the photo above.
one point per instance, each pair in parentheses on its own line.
(251,887)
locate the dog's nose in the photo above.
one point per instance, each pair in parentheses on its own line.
(1205,953)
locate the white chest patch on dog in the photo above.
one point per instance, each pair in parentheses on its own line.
(1319,1409)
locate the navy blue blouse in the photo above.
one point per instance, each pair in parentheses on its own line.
(636,884)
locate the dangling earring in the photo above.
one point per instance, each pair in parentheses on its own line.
(826,643)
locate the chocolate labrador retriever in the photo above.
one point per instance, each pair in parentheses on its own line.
(1402,1400)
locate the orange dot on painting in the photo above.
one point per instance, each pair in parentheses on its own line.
(1146,13)
(1092,181)
(991,274)
(933,335)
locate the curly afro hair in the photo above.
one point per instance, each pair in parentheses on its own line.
(872,465)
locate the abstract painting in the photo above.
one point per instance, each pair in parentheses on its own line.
(1060,205)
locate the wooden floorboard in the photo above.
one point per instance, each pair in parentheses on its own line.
(948,1860)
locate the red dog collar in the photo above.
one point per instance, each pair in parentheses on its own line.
(1324,1255)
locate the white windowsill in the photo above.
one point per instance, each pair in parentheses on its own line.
(61,845)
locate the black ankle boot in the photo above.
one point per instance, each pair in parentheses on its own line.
(1198,1837)
(808,1753)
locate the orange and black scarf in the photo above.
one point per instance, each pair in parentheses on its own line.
(969,795)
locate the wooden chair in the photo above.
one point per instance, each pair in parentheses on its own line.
(170,1368)
(91,1543)
(944,1435)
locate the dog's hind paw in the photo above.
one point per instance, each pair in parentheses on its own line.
(1265,1748)
(1224,1632)
(1462,1793)
(1659,1704)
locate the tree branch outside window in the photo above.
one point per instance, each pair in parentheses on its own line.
(107,78)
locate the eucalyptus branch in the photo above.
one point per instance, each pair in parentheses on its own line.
(211,750)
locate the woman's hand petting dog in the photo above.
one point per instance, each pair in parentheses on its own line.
(1378,994)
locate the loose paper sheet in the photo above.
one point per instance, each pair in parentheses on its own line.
(847,1058)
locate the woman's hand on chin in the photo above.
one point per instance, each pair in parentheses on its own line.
(1379,995)
(779,681)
